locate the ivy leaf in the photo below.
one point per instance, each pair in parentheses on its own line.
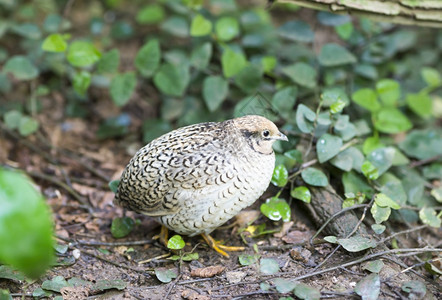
(378,228)
(391,120)
(369,170)
(232,62)
(327,147)
(81,82)
(215,90)
(374,266)
(302,193)
(164,275)
(421,104)
(200,26)
(380,214)
(389,91)
(305,118)
(303,291)
(333,55)
(249,78)
(298,31)
(172,80)
(150,14)
(431,77)
(314,177)
(12,118)
(226,28)
(384,201)
(121,227)
(280,176)
(148,58)
(369,287)
(423,144)
(415,289)
(356,243)
(82,54)
(56,284)
(55,43)
(284,100)
(428,216)
(200,56)
(21,67)
(109,62)
(176,243)
(382,158)
(276,209)
(248,259)
(268,266)
(28,126)
(302,74)
(367,99)
(122,88)
(284,285)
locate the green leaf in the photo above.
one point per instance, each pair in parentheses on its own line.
(371,143)
(55,285)
(248,259)
(176,242)
(378,228)
(268,266)
(55,43)
(25,234)
(109,62)
(302,193)
(373,266)
(268,63)
(415,289)
(333,55)
(369,170)
(121,227)
(345,30)
(389,91)
(392,187)
(284,100)
(27,30)
(103,285)
(12,119)
(298,31)
(431,76)
(172,80)
(82,54)
(331,239)
(27,126)
(113,185)
(423,144)
(353,183)
(367,71)
(201,55)
(176,26)
(150,14)
(437,194)
(337,107)
(421,104)
(303,291)
(226,28)
(314,177)
(434,171)
(249,78)
(232,62)
(428,216)
(280,176)
(367,99)
(327,147)
(81,82)
(122,87)
(215,90)
(305,118)
(380,214)
(356,243)
(383,200)
(348,159)
(391,120)
(164,275)
(284,285)
(148,58)
(302,74)
(276,209)
(369,287)
(154,128)
(382,158)
(200,26)
(21,67)
(114,126)
(8,273)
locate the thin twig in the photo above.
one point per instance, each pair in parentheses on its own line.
(64,186)
(424,161)
(117,264)
(172,285)
(111,244)
(402,232)
(356,261)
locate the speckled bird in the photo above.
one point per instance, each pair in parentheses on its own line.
(195,178)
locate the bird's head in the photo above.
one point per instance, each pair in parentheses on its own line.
(259,133)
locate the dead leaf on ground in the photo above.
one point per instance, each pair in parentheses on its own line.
(207,272)
(192,295)
(285,228)
(297,237)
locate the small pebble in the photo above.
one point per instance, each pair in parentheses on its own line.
(76,253)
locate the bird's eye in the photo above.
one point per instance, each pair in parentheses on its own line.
(265,133)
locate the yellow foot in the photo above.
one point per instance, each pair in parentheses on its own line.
(218,247)
(163,236)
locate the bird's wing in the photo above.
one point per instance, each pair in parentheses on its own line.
(173,168)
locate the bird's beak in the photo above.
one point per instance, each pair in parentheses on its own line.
(282,137)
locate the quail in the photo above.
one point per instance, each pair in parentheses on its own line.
(195,178)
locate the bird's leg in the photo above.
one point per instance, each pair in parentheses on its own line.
(163,236)
(218,247)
